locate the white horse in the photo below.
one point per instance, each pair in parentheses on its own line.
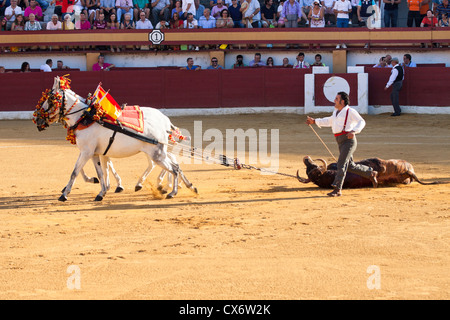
(94,140)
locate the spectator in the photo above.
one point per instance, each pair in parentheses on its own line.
(396,81)
(443,22)
(11,12)
(389,61)
(2,69)
(47,67)
(318,61)
(224,21)
(407,60)
(442,8)
(112,24)
(429,20)
(78,5)
(286,63)
(381,63)
(124,6)
(268,14)
(25,67)
(391,13)
(188,6)
(214,64)
(44,4)
(127,23)
(141,6)
(251,13)
(291,14)
(330,17)
(190,65)
(365,11)
(60,65)
(423,8)
(176,22)
(342,8)
(143,22)
(58,8)
(162,24)
(199,10)
(236,14)
(207,21)
(306,9)
(35,9)
(317,15)
(354,13)
(100,23)
(256,62)
(269,62)
(413,13)
(280,20)
(32,24)
(83,24)
(54,24)
(179,9)
(108,7)
(18,24)
(101,65)
(160,10)
(301,63)
(190,22)
(239,62)
(217,9)
(92,8)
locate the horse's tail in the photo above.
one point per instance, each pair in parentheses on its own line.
(175,133)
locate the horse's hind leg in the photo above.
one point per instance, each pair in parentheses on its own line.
(187,183)
(108,165)
(88,179)
(144,176)
(100,172)
(82,159)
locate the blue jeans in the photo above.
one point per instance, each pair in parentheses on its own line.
(238,24)
(390,18)
(342,22)
(44,4)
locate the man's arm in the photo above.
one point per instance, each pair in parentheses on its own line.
(392,78)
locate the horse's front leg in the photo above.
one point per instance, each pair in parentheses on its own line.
(109,166)
(144,176)
(82,159)
(100,173)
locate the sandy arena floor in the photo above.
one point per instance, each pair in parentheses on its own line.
(245,236)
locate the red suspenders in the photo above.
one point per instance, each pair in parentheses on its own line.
(343,129)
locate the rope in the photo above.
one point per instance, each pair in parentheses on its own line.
(322,142)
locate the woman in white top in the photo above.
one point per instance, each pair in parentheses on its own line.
(316,15)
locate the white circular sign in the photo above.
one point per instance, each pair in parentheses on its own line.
(156,36)
(334,85)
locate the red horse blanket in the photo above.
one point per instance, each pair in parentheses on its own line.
(131,117)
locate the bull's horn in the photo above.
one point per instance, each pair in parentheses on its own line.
(302,180)
(324,163)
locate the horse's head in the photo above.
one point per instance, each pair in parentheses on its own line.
(50,107)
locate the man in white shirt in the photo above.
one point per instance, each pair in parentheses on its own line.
(252,15)
(143,22)
(47,67)
(190,22)
(342,8)
(345,123)
(11,12)
(396,81)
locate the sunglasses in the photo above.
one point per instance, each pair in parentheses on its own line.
(214,61)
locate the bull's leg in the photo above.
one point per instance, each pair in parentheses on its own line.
(82,159)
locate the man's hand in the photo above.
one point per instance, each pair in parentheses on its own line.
(385,88)
(310,120)
(351,135)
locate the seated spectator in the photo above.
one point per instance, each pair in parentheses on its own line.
(286,63)
(107,7)
(407,61)
(18,24)
(199,9)
(178,9)
(291,14)
(268,14)
(239,62)
(92,8)
(25,67)
(141,6)
(207,21)
(318,61)
(269,62)
(215,11)
(2,69)
(330,17)
(190,65)
(224,21)
(429,20)
(317,15)
(381,63)
(54,24)
(162,24)
(443,22)
(83,24)
(127,23)
(214,64)
(112,22)
(301,63)
(11,12)
(160,10)
(306,9)
(143,22)
(251,12)
(442,8)
(60,65)
(47,67)
(100,23)
(188,6)
(190,22)
(32,24)
(34,9)
(101,65)
(236,14)
(280,20)
(176,22)
(123,7)
(256,62)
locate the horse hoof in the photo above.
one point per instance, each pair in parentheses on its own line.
(62,198)
(98,198)
(195,190)
(96,180)
(137,188)
(62,191)
(170,196)
(118,190)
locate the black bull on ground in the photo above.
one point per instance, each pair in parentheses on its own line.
(389,172)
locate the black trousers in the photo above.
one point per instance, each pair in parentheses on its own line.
(414,16)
